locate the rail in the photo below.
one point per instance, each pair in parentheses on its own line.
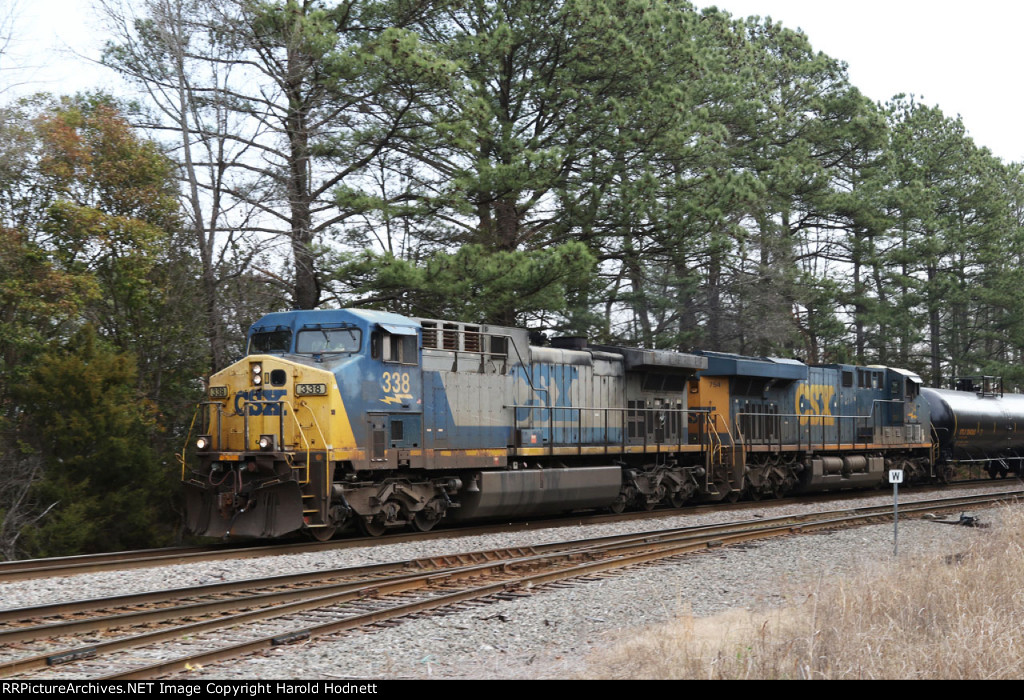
(199,634)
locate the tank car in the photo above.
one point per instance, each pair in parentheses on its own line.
(339,418)
(978,425)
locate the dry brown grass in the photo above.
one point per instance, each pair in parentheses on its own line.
(926,617)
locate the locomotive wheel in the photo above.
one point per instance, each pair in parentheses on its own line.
(371,527)
(618,505)
(777,486)
(676,499)
(322,534)
(421,522)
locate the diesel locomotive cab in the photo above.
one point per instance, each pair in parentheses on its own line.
(274,426)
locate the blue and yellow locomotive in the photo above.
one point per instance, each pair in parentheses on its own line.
(792,427)
(340,418)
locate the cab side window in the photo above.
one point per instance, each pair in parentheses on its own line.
(394,348)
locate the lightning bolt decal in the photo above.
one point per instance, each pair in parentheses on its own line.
(397,398)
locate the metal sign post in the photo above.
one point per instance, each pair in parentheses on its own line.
(895,478)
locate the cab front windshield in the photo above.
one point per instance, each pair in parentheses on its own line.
(328,340)
(270,343)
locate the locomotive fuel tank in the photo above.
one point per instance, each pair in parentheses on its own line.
(977,425)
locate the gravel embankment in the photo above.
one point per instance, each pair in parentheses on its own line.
(546,635)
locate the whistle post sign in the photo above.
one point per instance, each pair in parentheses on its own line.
(895,478)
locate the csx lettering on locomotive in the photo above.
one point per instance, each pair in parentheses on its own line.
(815,403)
(260,402)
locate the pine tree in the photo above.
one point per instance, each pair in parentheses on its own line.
(102,484)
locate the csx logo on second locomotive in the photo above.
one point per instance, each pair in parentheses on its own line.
(259,402)
(814,404)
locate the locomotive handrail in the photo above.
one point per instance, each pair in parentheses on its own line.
(611,408)
(302,432)
(319,430)
(281,413)
(715,452)
(220,415)
(188,438)
(681,434)
(738,450)
(818,420)
(298,426)
(526,371)
(245,417)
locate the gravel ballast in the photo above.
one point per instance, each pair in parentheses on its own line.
(545,635)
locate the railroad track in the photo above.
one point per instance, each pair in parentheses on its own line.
(165,632)
(21,570)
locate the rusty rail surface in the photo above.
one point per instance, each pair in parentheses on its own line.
(345,599)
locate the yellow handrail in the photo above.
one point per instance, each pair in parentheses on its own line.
(715,455)
(298,425)
(188,436)
(323,438)
(718,447)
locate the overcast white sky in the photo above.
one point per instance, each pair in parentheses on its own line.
(962,56)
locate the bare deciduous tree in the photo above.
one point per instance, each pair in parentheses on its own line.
(273,107)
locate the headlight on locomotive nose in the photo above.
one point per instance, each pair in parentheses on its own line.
(203,443)
(268,442)
(256,372)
